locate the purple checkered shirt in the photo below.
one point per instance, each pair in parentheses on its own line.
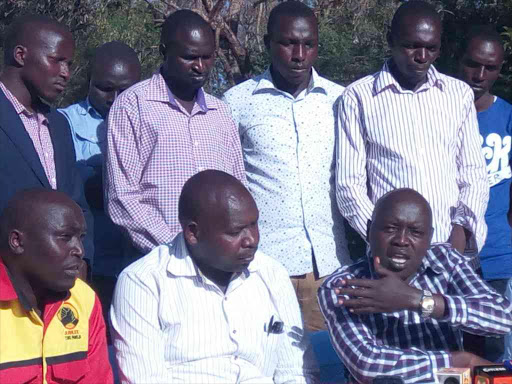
(36,125)
(402,343)
(154,147)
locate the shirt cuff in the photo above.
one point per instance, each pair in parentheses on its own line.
(457,310)
(462,217)
(438,360)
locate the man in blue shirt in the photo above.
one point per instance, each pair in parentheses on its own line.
(114,67)
(480,65)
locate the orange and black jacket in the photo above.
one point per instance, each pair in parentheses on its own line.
(67,345)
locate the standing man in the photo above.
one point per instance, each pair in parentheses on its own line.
(114,68)
(164,130)
(36,149)
(410,126)
(480,65)
(286,118)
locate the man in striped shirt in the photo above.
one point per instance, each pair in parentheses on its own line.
(401,310)
(411,126)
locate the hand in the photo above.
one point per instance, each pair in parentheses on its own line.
(82,271)
(387,294)
(467,360)
(458,238)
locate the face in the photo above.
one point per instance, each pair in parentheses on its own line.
(415,49)
(46,60)
(108,81)
(293,47)
(52,247)
(228,236)
(400,236)
(189,60)
(481,65)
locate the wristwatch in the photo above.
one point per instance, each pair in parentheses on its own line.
(427,304)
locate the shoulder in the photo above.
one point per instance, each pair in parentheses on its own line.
(242,90)
(269,265)
(216,103)
(504,105)
(443,256)
(148,267)
(136,92)
(83,295)
(360,269)
(457,86)
(363,85)
(333,89)
(73,108)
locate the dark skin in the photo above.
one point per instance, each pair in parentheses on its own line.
(400,236)
(224,238)
(42,67)
(188,59)
(480,67)
(293,48)
(45,251)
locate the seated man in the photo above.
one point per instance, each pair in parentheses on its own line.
(209,308)
(45,311)
(401,310)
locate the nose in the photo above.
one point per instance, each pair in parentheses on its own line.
(298,53)
(78,249)
(400,239)
(421,55)
(480,74)
(251,239)
(199,65)
(65,71)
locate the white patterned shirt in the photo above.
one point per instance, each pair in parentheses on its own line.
(173,325)
(288,145)
(427,140)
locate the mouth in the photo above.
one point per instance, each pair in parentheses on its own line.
(72,271)
(60,87)
(398,261)
(246,259)
(198,78)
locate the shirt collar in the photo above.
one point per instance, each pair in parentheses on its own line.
(159,91)
(88,109)
(316,83)
(385,80)
(8,291)
(42,107)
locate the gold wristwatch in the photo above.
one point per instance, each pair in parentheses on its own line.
(427,304)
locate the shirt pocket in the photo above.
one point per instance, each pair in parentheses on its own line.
(21,375)
(70,372)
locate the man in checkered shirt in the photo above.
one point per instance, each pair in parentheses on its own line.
(164,130)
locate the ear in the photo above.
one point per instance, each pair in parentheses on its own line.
(191,233)
(19,55)
(266,41)
(16,241)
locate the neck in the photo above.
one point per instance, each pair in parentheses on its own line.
(181,93)
(405,83)
(220,278)
(484,102)
(283,85)
(18,88)
(23,286)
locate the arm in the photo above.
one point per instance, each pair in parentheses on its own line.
(351,176)
(472,182)
(123,171)
(365,356)
(138,340)
(97,356)
(238,159)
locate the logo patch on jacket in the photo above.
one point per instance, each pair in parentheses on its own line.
(68,316)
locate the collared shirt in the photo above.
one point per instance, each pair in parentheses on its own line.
(173,325)
(427,140)
(154,147)
(88,130)
(288,145)
(66,344)
(36,125)
(403,343)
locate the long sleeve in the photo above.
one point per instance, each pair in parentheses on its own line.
(124,165)
(367,358)
(351,176)
(97,356)
(237,157)
(137,337)
(471,179)
(474,306)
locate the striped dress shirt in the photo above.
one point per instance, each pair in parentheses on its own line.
(173,325)
(427,140)
(403,343)
(153,147)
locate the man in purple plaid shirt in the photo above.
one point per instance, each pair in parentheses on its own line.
(401,310)
(164,130)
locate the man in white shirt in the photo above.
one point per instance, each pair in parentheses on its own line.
(410,126)
(286,118)
(208,307)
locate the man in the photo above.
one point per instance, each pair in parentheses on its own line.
(114,68)
(401,310)
(481,60)
(411,126)
(52,329)
(164,130)
(286,118)
(36,149)
(209,308)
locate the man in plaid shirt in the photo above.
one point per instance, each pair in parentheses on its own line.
(401,310)
(164,130)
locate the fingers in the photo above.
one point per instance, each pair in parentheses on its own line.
(355,292)
(381,271)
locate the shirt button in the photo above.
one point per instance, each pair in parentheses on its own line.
(225,299)
(46,154)
(236,357)
(196,143)
(234,331)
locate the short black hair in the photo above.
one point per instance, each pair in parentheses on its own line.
(179,20)
(114,52)
(22,28)
(413,8)
(290,8)
(483,32)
